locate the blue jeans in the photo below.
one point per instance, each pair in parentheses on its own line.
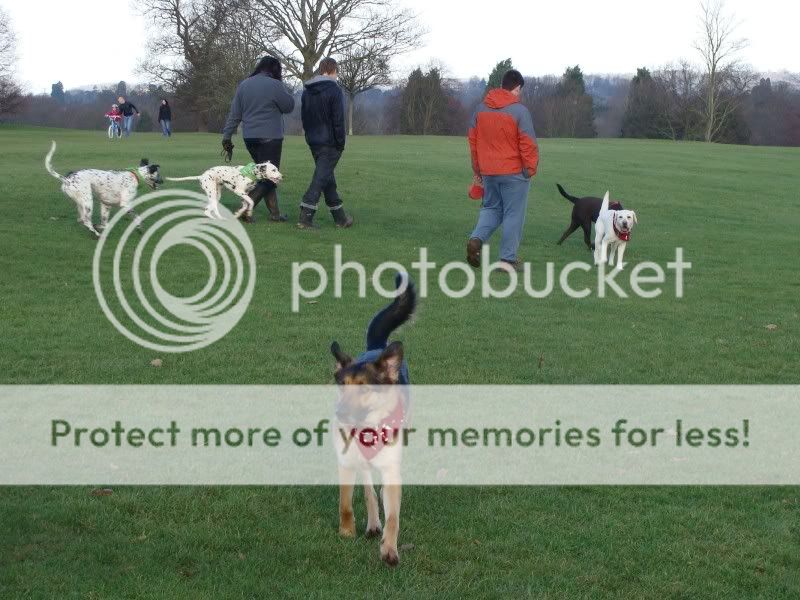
(127,125)
(166,127)
(505,201)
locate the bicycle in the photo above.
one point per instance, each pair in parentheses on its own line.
(114,128)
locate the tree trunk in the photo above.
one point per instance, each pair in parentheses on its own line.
(711,110)
(350,114)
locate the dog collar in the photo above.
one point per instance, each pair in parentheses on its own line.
(140,182)
(370,444)
(249,172)
(622,235)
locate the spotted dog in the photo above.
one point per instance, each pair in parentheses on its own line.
(371,421)
(113,188)
(239,180)
(612,233)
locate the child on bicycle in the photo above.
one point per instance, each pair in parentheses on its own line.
(115,116)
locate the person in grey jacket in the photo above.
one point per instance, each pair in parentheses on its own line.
(260,102)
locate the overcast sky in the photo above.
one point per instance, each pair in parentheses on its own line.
(82,42)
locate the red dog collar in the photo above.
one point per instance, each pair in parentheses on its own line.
(622,235)
(372,440)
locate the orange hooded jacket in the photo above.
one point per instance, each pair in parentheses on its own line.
(501,137)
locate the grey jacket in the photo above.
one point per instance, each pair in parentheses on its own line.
(259,105)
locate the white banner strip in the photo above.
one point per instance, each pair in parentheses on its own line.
(426,435)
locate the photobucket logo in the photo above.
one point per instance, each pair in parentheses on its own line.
(644,280)
(132,296)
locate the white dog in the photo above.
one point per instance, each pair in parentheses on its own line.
(113,188)
(612,232)
(239,180)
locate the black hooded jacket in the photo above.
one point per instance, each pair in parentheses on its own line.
(323,113)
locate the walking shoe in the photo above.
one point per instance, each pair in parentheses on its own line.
(516,265)
(245,218)
(342,219)
(474,246)
(306,220)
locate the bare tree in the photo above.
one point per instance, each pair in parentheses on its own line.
(680,102)
(718,46)
(10,93)
(302,32)
(361,69)
(8,45)
(200,50)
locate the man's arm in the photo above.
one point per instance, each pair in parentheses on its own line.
(473,142)
(528,147)
(234,117)
(133,106)
(337,115)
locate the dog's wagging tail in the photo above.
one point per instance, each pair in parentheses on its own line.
(382,362)
(564,193)
(48,162)
(393,316)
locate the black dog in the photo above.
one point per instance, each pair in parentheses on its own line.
(584,213)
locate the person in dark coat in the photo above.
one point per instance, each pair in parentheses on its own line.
(260,102)
(165,117)
(324,125)
(128,110)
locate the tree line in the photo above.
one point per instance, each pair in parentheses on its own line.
(200,49)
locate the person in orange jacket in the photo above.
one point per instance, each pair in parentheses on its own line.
(505,157)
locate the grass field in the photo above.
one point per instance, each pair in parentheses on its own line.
(733,209)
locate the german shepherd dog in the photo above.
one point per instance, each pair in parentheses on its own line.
(584,213)
(371,412)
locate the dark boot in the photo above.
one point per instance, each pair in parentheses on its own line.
(474,247)
(275,215)
(307,219)
(256,194)
(341,218)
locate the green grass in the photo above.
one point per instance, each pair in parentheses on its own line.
(733,209)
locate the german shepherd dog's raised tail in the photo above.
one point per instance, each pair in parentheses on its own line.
(371,414)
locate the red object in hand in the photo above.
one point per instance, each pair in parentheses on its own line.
(476,192)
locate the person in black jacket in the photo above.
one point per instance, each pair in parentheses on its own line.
(165,117)
(323,122)
(128,110)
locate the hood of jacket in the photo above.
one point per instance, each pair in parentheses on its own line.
(320,83)
(500,98)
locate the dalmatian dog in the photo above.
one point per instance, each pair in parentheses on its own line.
(239,180)
(113,188)
(612,233)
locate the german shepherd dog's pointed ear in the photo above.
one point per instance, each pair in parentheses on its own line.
(144,162)
(342,360)
(390,362)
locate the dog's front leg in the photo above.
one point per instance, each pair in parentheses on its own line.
(137,222)
(391,509)
(620,264)
(373,512)
(604,252)
(347,522)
